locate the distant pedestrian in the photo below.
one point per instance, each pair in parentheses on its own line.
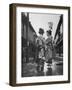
(40,41)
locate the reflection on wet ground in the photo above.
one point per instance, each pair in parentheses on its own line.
(55,69)
(30,69)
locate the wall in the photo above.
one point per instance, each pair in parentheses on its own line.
(4,45)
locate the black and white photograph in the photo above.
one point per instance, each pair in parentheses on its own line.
(41,44)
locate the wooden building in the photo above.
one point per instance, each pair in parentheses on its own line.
(59,37)
(28,38)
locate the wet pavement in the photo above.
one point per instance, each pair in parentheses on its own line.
(30,69)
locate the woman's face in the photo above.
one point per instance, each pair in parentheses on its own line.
(48,34)
(41,34)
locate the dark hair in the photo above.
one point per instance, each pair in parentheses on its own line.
(49,32)
(41,31)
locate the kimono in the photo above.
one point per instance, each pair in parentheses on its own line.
(49,49)
(41,47)
(40,51)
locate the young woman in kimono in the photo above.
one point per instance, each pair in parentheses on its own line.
(49,48)
(40,41)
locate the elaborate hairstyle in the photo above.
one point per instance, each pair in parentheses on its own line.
(41,31)
(49,32)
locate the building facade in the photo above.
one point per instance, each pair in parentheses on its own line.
(28,38)
(59,37)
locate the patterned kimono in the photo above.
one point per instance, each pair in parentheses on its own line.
(41,47)
(40,52)
(49,49)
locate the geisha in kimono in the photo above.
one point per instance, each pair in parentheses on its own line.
(40,41)
(49,48)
